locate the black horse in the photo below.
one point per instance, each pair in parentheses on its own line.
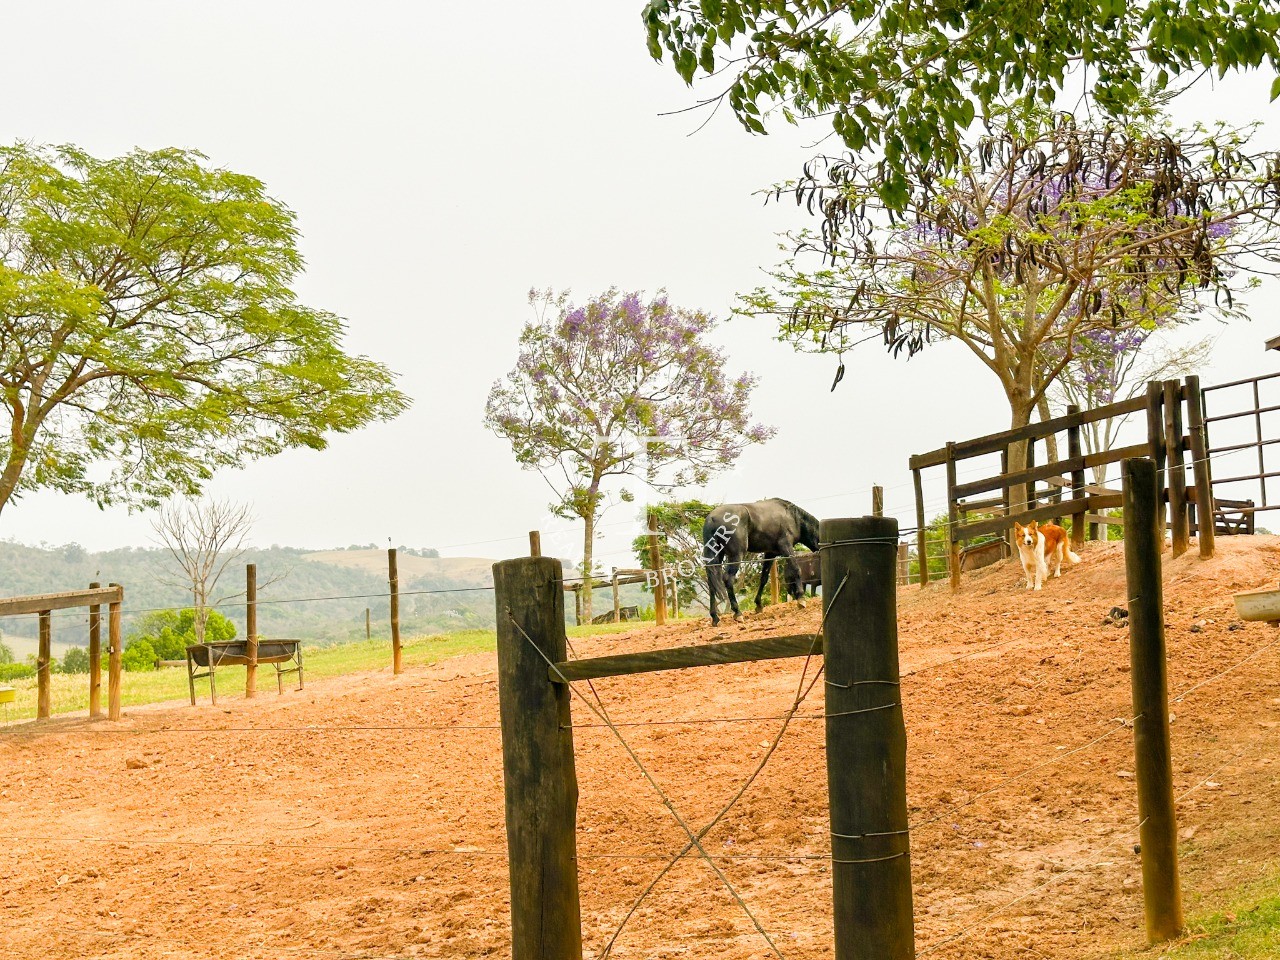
(769,527)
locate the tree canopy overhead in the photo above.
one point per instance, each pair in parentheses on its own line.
(149,332)
(905,78)
(1043,235)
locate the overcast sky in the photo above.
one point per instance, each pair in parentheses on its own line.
(443,159)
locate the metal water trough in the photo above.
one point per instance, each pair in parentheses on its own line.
(1259,605)
(227,653)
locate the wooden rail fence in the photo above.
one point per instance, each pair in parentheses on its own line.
(988,507)
(43,606)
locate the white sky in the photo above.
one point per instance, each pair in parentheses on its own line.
(443,159)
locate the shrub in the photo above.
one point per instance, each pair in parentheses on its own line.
(75,660)
(169,632)
(139,656)
(6,653)
(16,671)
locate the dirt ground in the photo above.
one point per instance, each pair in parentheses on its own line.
(308,825)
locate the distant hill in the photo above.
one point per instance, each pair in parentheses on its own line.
(292,582)
(316,595)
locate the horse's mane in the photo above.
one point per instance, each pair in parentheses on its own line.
(805,520)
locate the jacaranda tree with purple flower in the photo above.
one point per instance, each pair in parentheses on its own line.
(1047,234)
(620,386)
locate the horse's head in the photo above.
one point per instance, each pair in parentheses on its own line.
(808,525)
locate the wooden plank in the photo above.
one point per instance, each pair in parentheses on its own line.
(251,630)
(1051,471)
(1075,452)
(953,518)
(1175,469)
(34,603)
(115,655)
(866,744)
(393,584)
(934,458)
(539,779)
(679,658)
(1034,431)
(95,657)
(44,665)
(1157,821)
(1104,518)
(1046,512)
(922,539)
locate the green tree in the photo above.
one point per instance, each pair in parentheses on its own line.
(168,633)
(619,387)
(6,652)
(75,660)
(680,545)
(149,332)
(139,657)
(901,79)
(1050,233)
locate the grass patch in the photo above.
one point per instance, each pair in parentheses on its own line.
(1248,930)
(69,693)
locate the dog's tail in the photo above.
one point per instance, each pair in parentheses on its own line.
(1073,556)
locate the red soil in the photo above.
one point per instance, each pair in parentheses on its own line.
(281,841)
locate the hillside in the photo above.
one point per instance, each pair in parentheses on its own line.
(357,576)
(1020,789)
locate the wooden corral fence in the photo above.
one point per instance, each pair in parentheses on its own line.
(870,856)
(1037,491)
(865,743)
(43,606)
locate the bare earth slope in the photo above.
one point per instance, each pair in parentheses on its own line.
(264,839)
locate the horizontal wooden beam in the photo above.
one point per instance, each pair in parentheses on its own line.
(1051,471)
(36,603)
(1035,431)
(678,658)
(967,531)
(1103,518)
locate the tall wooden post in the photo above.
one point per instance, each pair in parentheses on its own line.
(866,742)
(393,579)
(44,664)
(775,595)
(1205,531)
(617,599)
(877,501)
(1157,822)
(577,604)
(535,543)
(537,761)
(95,657)
(904,567)
(655,562)
(1174,467)
(1075,452)
(953,516)
(368,624)
(922,538)
(1006,498)
(1155,445)
(251,630)
(115,656)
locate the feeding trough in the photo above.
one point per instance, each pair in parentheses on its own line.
(1259,605)
(228,653)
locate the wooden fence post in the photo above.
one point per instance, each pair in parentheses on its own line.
(577,604)
(774,592)
(368,624)
(1158,827)
(617,599)
(655,560)
(877,501)
(1175,468)
(393,581)
(1155,446)
(922,539)
(251,630)
(537,761)
(1006,500)
(866,742)
(1200,470)
(95,657)
(44,663)
(1074,452)
(904,565)
(535,543)
(953,517)
(115,656)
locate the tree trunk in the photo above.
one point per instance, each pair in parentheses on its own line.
(588,562)
(1020,409)
(1051,442)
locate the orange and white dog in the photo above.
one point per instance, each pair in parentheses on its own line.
(1041,546)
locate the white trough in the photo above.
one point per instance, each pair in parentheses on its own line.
(1259,605)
